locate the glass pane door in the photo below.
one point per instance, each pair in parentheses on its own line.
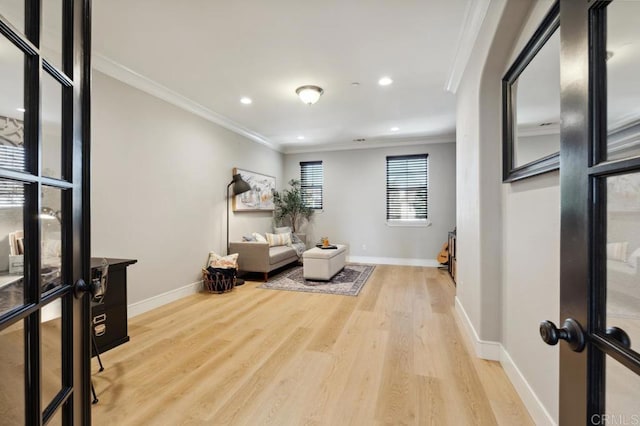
(44,251)
(623,255)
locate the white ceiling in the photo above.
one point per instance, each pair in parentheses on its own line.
(215,52)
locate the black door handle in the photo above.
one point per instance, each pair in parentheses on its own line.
(571,331)
(81,287)
(619,335)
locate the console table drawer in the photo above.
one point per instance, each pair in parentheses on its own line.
(109,326)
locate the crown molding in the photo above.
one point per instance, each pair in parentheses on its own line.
(370,144)
(473,19)
(134,79)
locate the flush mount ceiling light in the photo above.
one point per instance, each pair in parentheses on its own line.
(309,94)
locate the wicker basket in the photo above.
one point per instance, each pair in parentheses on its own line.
(216,280)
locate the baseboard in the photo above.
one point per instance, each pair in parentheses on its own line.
(485,349)
(393,261)
(494,351)
(146,305)
(536,409)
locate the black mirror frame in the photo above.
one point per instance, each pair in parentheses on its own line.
(510,173)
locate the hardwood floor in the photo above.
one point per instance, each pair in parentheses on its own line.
(393,355)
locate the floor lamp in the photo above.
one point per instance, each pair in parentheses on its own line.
(239,187)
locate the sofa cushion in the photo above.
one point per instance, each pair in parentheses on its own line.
(280,253)
(259,238)
(278,239)
(617,251)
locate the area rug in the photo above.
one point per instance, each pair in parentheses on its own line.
(347,282)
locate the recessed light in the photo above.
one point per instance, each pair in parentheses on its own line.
(300,138)
(395,129)
(385,81)
(355,83)
(246,100)
(21,109)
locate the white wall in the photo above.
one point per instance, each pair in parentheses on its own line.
(532,289)
(508,234)
(355,203)
(159,176)
(531,279)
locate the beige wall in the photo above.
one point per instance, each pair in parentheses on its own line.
(159,176)
(355,203)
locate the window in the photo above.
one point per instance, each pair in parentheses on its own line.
(11,193)
(407,189)
(311,180)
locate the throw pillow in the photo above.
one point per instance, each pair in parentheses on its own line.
(259,238)
(224,262)
(279,239)
(617,251)
(282,230)
(633,258)
(248,237)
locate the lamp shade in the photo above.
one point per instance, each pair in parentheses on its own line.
(239,185)
(309,94)
(49,213)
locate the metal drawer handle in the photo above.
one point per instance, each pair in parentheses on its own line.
(99,318)
(99,329)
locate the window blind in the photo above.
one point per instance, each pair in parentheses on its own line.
(11,193)
(407,188)
(311,181)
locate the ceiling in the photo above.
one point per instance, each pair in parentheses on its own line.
(208,54)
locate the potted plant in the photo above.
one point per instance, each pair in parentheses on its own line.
(290,209)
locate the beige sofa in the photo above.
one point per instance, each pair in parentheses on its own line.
(259,257)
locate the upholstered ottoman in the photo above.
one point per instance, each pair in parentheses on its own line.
(322,264)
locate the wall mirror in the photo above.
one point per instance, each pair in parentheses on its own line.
(531,104)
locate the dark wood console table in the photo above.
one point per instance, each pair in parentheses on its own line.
(109,317)
(452,256)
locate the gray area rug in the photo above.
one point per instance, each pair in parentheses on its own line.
(347,282)
(11,296)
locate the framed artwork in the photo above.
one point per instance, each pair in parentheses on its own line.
(260,197)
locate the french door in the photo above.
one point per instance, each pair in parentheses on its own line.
(600,214)
(44,212)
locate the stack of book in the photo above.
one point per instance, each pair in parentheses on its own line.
(16,252)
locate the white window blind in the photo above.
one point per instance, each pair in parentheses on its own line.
(11,193)
(407,188)
(311,181)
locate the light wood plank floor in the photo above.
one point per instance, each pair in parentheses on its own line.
(393,355)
